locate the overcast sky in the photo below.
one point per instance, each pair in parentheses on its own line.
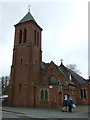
(64,35)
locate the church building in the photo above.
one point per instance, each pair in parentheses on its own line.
(36,83)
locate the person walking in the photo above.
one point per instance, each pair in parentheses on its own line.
(70,102)
(64,108)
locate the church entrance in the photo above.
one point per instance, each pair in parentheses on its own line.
(59,99)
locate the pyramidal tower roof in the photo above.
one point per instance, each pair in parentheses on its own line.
(27,17)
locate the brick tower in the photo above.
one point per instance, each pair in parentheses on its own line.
(27,58)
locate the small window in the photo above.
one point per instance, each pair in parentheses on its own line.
(20,88)
(81,93)
(42,94)
(25,35)
(20,36)
(46,95)
(84,93)
(20,61)
(35,37)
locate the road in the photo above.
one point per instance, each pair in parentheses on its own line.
(45,114)
(6,114)
(19,116)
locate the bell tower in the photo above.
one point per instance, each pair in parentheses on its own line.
(27,58)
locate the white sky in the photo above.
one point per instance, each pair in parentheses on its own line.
(64,35)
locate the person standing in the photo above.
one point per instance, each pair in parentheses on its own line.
(64,108)
(70,102)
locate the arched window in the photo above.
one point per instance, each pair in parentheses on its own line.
(42,94)
(35,37)
(52,80)
(81,93)
(25,35)
(84,93)
(20,36)
(46,95)
(20,88)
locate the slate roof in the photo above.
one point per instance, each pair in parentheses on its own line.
(66,72)
(44,65)
(88,81)
(79,79)
(27,17)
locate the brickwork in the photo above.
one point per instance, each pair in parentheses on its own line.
(30,84)
(26,63)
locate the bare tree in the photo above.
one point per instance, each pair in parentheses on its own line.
(4,83)
(73,67)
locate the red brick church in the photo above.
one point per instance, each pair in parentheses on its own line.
(34,82)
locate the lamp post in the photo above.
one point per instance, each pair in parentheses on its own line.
(34,96)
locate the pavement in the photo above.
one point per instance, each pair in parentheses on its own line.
(81,111)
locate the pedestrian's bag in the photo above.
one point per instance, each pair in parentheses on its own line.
(73,106)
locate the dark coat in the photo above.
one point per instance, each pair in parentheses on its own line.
(70,101)
(65,103)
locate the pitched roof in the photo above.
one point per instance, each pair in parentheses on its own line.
(27,17)
(66,72)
